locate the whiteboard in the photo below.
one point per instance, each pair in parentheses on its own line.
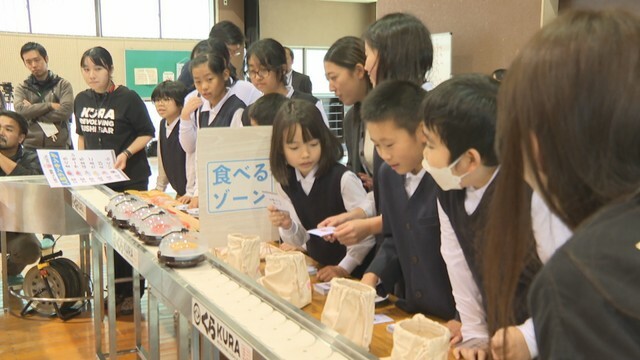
(441,69)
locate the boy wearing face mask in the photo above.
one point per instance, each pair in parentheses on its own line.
(459,123)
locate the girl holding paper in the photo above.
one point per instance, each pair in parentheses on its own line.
(304,161)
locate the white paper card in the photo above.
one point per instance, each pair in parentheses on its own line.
(275,200)
(67,168)
(322,231)
(145,76)
(48,129)
(381,319)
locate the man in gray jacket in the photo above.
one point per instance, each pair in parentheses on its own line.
(45,100)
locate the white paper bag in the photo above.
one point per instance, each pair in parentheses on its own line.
(349,310)
(285,274)
(244,253)
(420,338)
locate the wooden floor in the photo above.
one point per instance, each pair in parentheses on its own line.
(40,337)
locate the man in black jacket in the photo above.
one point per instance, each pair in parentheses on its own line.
(299,82)
(15,160)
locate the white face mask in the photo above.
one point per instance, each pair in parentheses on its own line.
(444,176)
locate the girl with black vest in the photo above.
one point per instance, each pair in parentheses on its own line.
(213,106)
(173,162)
(113,117)
(459,117)
(304,161)
(267,63)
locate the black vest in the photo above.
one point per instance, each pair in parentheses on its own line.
(324,200)
(469,231)
(224,116)
(174,158)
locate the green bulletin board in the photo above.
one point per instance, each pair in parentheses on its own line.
(145,60)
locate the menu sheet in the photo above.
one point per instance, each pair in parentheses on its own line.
(68,168)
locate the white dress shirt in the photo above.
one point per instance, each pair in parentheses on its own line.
(549,232)
(412,181)
(318,105)
(189,129)
(353,196)
(245,91)
(190,165)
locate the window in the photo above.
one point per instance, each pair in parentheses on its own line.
(14,16)
(298,59)
(314,65)
(126,18)
(180,21)
(49,17)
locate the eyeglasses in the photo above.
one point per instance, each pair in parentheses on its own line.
(260,73)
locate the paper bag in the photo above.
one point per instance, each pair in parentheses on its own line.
(244,253)
(285,274)
(420,338)
(349,310)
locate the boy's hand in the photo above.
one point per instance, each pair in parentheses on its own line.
(454,327)
(516,347)
(352,231)
(191,106)
(194,203)
(329,272)
(370,279)
(279,218)
(334,221)
(473,349)
(184,199)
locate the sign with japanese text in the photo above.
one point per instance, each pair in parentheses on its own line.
(219,333)
(233,175)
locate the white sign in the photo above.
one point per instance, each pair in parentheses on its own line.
(441,69)
(66,168)
(124,248)
(233,173)
(219,334)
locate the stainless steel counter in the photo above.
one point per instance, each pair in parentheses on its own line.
(225,309)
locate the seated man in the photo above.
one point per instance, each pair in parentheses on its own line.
(15,160)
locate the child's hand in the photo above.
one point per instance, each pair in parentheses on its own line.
(329,272)
(279,218)
(370,279)
(289,247)
(516,347)
(367,181)
(184,199)
(193,204)
(454,327)
(474,349)
(352,231)
(189,107)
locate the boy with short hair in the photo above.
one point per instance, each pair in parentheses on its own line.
(460,124)
(175,166)
(263,111)
(409,256)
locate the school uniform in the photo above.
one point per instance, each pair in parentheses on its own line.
(312,199)
(173,166)
(585,300)
(410,251)
(463,214)
(226,113)
(354,138)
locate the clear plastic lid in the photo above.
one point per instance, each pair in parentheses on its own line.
(125,208)
(158,225)
(140,213)
(183,245)
(114,201)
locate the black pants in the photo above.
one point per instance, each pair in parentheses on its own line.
(121,266)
